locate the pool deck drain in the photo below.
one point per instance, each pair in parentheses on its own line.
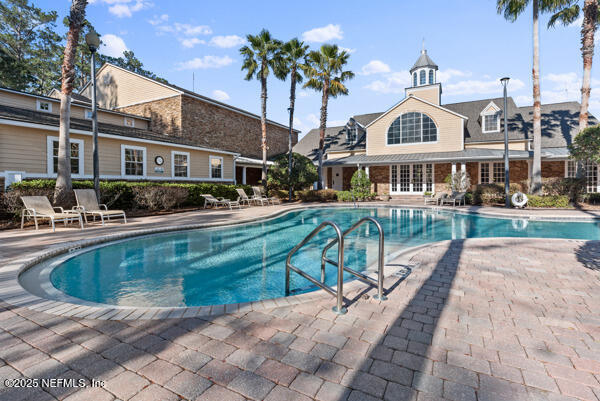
(478,319)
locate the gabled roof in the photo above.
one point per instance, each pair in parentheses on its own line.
(335,140)
(420,100)
(187,92)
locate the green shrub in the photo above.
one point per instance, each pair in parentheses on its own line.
(360,185)
(559,201)
(574,188)
(159,197)
(593,198)
(344,196)
(322,195)
(486,194)
(469,198)
(304,173)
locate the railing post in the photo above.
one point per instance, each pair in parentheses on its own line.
(339,308)
(380,273)
(287,279)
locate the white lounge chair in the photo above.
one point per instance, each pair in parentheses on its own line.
(243,197)
(434,199)
(258,194)
(456,197)
(39,207)
(212,201)
(87,204)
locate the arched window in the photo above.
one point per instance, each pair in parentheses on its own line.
(430,77)
(412,128)
(414,79)
(422,78)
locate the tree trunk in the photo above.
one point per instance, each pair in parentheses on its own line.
(290,144)
(536,179)
(588,29)
(322,127)
(63,191)
(263,123)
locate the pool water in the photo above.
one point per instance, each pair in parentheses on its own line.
(247,262)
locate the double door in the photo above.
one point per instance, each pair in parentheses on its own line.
(411,178)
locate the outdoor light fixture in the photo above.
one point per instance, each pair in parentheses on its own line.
(506,167)
(93,41)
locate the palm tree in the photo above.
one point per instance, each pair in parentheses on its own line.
(566,12)
(63,191)
(262,56)
(511,10)
(293,61)
(324,71)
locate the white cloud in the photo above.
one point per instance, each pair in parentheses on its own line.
(185,29)
(347,49)
(126,8)
(304,94)
(227,41)
(323,34)
(447,75)
(191,42)
(394,82)
(314,121)
(157,20)
(220,95)
(480,87)
(112,45)
(205,62)
(375,67)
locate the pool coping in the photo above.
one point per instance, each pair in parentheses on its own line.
(14,294)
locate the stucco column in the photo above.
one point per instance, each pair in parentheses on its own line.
(244,175)
(367,170)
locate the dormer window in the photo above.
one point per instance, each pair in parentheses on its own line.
(44,106)
(351,134)
(129,122)
(88,114)
(490,118)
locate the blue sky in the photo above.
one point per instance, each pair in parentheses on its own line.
(471,43)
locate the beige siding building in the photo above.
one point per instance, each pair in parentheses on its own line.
(127,149)
(411,148)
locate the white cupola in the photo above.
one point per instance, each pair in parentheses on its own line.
(424,71)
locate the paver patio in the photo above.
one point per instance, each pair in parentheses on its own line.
(476,319)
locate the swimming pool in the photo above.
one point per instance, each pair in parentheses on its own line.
(246,262)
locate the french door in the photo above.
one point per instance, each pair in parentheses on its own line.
(411,178)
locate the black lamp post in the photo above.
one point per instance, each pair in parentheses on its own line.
(506,161)
(291,111)
(93,41)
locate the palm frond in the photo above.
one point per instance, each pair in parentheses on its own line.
(511,9)
(566,16)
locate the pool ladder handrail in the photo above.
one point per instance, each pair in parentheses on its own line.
(339,294)
(380,258)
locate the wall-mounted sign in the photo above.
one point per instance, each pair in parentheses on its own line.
(159,170)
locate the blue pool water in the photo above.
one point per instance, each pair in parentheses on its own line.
(247,262)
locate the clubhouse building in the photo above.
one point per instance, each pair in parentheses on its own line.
(413,146)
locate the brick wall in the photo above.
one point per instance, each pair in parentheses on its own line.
(165,115)
(380,179)
(210,125)
(329,177)
(347,173)
(553,169)
(473,172)
(441,171)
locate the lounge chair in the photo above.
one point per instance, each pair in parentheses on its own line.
(243,197)
(434,199)
(87,204)
(39,207)
(258,194)
(456,197)
(215,202)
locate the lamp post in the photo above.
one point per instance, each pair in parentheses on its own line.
(506,161)
(291,111)
(93,42)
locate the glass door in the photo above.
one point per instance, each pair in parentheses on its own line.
(417,178)
(404,177)
(411,178)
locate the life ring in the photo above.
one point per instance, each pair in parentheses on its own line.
(519,199)
(520,224)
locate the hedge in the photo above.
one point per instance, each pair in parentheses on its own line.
(128,195)
(560,201)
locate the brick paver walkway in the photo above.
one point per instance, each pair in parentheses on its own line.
(485,319)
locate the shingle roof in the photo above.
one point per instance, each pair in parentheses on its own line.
(36,117)
(366,119)
(423,61)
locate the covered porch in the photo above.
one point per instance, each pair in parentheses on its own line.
(248,171)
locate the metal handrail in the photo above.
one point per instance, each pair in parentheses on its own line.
(380,273)
(339,294)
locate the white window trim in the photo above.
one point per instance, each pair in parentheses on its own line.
(38,104)
(143,149)
(50,159)
(424,183)
(132,122)
(210,158)
(413,143)
(491,172)
(187,154)
(483,116)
